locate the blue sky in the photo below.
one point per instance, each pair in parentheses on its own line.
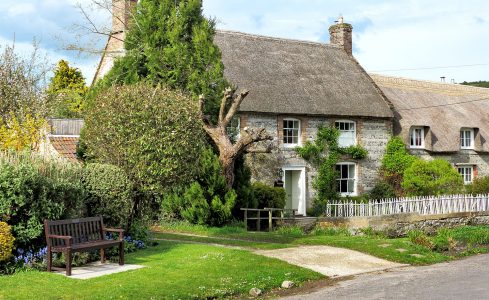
(388,35)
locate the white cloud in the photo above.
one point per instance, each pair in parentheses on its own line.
(21,10)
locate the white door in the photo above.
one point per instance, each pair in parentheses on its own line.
(294,184)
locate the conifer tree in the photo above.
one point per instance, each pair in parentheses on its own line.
(171,42)
(66,91)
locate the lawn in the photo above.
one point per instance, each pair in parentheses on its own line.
(400,250)
(172,271)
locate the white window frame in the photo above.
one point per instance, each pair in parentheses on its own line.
(463,138)
(354,178)
(343,132)
(467,173)
(287,128)
(411,132)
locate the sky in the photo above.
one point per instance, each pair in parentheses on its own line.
(420,39)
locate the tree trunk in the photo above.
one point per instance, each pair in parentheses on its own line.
(228,153)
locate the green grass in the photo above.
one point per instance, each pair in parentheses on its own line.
(172,271)
(373,243)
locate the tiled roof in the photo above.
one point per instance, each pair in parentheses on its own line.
(65,146)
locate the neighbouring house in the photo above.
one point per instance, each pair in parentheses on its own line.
(62,139)
(441,120)
(297,86)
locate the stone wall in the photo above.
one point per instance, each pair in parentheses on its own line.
(267,158)
(399,225)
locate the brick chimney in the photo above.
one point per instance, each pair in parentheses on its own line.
(122,14)
(122,11)
(340,34)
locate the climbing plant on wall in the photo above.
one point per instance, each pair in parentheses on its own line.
(324,153)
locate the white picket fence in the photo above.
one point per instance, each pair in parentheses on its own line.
(421,205)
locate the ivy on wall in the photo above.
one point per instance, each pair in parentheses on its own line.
(324,153)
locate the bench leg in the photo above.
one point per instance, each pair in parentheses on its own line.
(121,254)
(102,256)
(68,262)
(49,259)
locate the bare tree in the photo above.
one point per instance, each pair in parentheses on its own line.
(229,152)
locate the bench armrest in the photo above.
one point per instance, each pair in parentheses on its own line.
(118,230)
(68,239)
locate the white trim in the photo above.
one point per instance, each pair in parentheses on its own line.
(471,130)
(302,209)
(355,179)
(354,130)
(422,146)
(63,135)
(471,167)
(286,145)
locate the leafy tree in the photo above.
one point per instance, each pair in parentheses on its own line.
(22,101)
(153,134)
(66,91)
(171,42)
(395,161)
(436,177)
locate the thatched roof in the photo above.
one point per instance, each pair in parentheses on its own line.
(298,77)
(443,107)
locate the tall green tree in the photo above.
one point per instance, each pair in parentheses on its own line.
(66,91)
(171,42)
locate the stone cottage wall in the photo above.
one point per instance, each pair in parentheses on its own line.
(267,158)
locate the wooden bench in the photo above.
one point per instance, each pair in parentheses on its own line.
(79,235)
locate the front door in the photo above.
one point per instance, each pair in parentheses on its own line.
(294,189)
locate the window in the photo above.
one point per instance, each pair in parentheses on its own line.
(416,137)
(347,133)
(347,179)
(467,138)
(233,129)
(467,173)
(291,132)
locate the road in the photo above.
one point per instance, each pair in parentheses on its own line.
(462,279)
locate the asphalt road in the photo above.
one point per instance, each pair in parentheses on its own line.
(462,279)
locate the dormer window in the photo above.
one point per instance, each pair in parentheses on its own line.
(467,138)
(416,137)
(348,133)
(291,132)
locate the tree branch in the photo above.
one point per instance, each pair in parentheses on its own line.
(228,94)
(234,107)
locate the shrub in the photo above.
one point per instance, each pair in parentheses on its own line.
(382,190)
(153,134)
(32,190)
(109,193)
(397,159)
(205,201)
(418,237)
(434,177)
(6,242)
(480,185)
(267,196)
